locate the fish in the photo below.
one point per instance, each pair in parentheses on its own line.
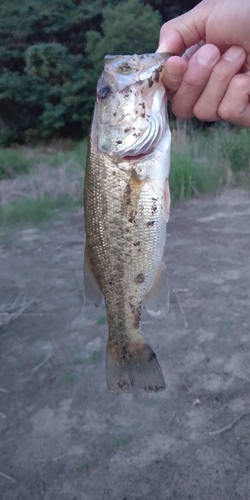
(126,207)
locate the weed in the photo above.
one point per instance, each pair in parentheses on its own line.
(95,357)
(85,466)
(120,441)
(101,320)
(77,360)
(67,377)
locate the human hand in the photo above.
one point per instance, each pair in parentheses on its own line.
(209,85)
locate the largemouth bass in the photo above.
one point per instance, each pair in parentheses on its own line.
(126,203)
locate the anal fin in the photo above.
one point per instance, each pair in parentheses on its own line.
(157,299)
(92,290)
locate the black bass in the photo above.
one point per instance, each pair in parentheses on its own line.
(126,203)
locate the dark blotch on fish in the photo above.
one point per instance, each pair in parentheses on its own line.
(139,278)
(150,81)
(132,216)
(152,356)
(127,194)
(157,74)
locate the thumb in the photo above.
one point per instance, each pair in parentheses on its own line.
(182,32)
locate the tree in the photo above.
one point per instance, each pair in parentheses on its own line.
(126,29)
(51,55)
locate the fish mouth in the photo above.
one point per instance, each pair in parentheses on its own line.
(138,156)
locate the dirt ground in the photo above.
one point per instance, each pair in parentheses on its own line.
(63,436)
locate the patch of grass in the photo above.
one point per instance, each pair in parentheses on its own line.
(77,360)
(85,466)
(101,320)
(67,377)
(95,357)
(199,162)
(12,163)
(120,441)
(189,178)
(34,211)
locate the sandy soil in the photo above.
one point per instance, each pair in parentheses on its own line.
(63,437)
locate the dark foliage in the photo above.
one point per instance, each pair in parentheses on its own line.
(51,54)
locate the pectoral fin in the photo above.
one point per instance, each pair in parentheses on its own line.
(157,299)
(92,290)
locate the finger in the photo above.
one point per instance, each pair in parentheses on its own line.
(191,51)
(180,33)
(235,105)
(174,70)
(229,64)
(194,80)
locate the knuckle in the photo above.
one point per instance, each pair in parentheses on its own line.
(239,83)
(203,113)
(226,112)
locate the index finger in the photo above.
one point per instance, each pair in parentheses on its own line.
(182,32)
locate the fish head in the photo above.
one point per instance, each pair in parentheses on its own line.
(130,113)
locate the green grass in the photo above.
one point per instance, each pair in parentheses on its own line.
(120,441)
(77,360)
(95,357)
(12,163)
(189,178)
(205,162)
(67,378)
(34,211)
(85,466)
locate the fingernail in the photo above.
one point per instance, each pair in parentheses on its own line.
(233,54)
(207,55)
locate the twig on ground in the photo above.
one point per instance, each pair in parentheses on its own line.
(176,291)
(11,311)
(60,456)
(229,426)
(46,360)
(8,477)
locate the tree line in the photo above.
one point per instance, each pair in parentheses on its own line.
(51,54)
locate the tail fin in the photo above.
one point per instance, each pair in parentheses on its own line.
(137,366)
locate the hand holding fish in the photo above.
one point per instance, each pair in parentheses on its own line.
(211,81)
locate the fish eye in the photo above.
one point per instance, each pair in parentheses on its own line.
(103,92)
